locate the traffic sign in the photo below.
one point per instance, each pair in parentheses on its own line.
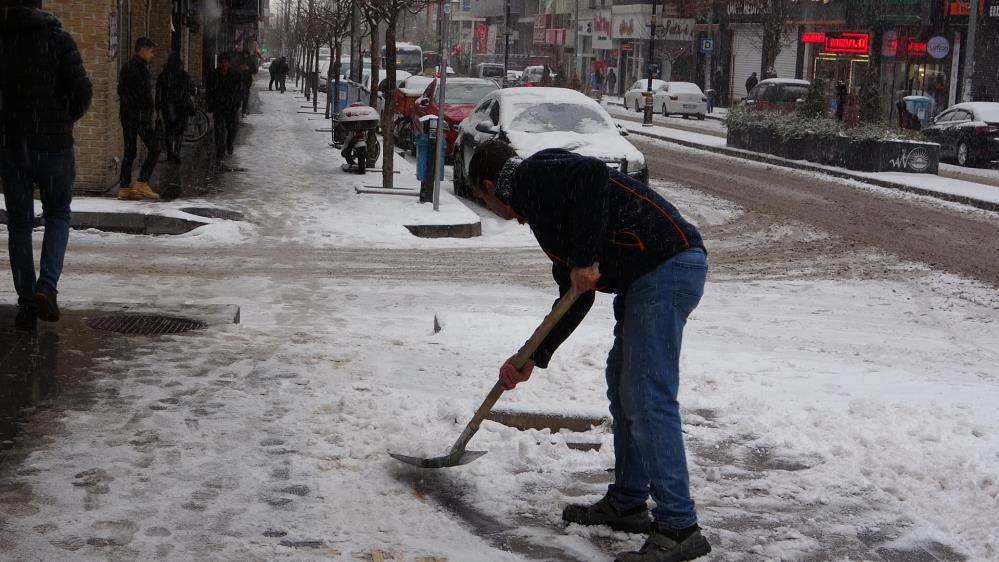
(707,45)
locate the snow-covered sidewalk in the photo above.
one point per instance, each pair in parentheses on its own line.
(828,416)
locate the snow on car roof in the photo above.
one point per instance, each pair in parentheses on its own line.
(684,87)
(786,81)
(512,98)
(984,110)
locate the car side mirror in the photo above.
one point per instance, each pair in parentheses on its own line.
(424,102)
(621,130)
(486,127)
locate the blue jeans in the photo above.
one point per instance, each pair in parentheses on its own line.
(643,376)
(53,173)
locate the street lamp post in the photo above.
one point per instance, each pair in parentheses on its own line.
(443,10)
(506,40)
(647,119)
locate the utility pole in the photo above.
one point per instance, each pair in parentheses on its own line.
(647,119)
(354,73)
(575,47)
(506,40)
(442,58)
(969,57)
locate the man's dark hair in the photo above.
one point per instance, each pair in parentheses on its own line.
(488,161)
(144,43)
(223,57)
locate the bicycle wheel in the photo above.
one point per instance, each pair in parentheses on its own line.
(197,126)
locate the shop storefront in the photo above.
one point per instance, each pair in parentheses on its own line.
(919,64)
(837,57)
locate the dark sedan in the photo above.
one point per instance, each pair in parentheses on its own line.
(967,132)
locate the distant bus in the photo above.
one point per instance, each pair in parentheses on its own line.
(408,57)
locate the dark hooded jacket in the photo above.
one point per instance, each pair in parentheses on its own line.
(173,90)
(224,92)
(583,212)
(135,92)
(43,86)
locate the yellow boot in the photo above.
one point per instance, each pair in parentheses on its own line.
(143,191)
(127,194)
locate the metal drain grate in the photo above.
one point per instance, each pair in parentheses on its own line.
(144,324)
(213,213)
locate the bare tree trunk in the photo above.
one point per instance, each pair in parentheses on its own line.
(375,60)
(315,83)
(388,114)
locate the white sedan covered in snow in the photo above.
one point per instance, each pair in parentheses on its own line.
(533,119)
(668,98)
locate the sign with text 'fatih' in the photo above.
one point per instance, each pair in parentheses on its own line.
(676,29)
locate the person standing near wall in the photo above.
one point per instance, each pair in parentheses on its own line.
(174,102)
(137,111)
(224,94)
(44,90)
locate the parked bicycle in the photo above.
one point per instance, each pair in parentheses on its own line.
(199,123)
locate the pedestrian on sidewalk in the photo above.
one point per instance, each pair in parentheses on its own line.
(582,213)
(175,102)
(44,90)
(246,79)
(272,69)
(282,73)
(751,82)
(224,95)
(611,82)
(137,112)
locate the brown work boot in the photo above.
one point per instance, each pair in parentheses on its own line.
(144,191)
(127,194)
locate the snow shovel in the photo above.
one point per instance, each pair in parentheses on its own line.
(458,454)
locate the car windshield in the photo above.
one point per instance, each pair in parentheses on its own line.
(492,71)
(549,117)
(793,93)
(467,92)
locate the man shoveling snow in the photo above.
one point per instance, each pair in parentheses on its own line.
(655,263)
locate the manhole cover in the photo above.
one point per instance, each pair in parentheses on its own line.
(213,213)
(143,324)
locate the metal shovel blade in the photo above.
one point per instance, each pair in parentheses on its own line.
(464,457)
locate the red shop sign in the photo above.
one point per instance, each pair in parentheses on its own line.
(858,43)
(813,37)
(626,47)
(916,49)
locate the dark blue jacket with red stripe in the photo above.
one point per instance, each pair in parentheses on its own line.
(583,212)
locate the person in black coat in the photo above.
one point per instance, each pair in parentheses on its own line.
(751,83)
(44,90)
(174,91)
(281,72)
(224,94)
(582,214)
(138,111)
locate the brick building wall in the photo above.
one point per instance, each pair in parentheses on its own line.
(98,134)
(99,144)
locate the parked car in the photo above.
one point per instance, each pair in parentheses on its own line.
(635,96)
(782,94)
(460,98)
(967,132)
(532,119)
(680,98)
(490,70)
(534,76)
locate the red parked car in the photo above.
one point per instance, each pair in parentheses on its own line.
(460,98)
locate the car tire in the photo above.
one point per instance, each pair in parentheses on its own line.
(461,187)
(964,155)
(700,117)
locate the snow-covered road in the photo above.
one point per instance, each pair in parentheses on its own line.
(830,416)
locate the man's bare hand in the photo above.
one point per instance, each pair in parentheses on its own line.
(584,279)
(511,377)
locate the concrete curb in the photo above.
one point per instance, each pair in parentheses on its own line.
(470,230)
(128,223)
(777,161)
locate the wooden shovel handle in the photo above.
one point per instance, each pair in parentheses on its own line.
(519,360)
